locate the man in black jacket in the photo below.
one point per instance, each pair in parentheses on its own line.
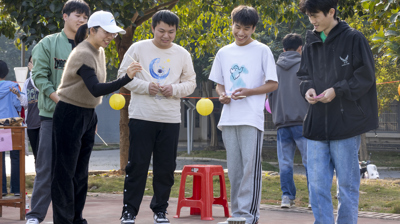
(338,81)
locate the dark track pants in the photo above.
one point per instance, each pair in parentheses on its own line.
(73,138)
(147,138)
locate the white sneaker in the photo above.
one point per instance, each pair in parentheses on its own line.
(32,221)
(309,206)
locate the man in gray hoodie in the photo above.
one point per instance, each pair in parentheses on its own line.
(288,109)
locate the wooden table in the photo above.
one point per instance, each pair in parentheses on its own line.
(18,142)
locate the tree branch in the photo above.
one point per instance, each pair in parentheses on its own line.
(149,13)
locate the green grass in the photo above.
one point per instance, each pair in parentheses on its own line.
(217,154)
(385,158)
(99,147)
(375,195)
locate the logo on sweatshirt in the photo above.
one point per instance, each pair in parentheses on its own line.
(345,61)
(59,63)
(159,69)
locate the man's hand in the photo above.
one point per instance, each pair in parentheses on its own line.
(15,91)
(310,94)
(54,97)
(241,92)
(166,90)
(329,95)
(153,88)
(224,99)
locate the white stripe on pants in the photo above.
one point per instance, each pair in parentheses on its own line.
(243,146)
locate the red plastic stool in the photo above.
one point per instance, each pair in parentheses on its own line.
(203,198)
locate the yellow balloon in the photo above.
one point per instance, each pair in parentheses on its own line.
(117,101)
(204,106)
(398,89)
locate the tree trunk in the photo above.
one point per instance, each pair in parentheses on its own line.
(363,148)
(124,131)
(123,45)
(207,89)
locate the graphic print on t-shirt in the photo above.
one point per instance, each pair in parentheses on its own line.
(159,70)
(236,76)
(32,95)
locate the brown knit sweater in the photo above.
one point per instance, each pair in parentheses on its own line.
(72,89)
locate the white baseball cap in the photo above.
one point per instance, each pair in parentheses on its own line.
(106,21)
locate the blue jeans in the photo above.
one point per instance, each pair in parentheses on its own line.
(324,157)
(287,139)
(14,185)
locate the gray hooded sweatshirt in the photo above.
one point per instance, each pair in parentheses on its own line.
(287,105)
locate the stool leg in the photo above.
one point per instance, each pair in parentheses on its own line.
(196,194)
(181,195)
(223,197)
(208,197)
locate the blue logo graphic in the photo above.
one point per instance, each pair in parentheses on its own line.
(158,72)
(236,79)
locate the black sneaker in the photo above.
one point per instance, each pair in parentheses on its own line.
(127,217)
(159,217)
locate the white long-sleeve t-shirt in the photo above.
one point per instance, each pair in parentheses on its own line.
(172,66)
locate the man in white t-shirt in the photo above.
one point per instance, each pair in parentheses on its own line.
(244,72)
(154,114)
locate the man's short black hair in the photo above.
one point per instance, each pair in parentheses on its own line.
(315,6)
(292,41)
(3,69)
(165,16)
(78,6)
(245,15)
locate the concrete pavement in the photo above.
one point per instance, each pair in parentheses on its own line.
(106,209)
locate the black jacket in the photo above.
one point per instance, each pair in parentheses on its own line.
(345,63)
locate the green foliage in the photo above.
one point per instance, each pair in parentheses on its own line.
(384,18)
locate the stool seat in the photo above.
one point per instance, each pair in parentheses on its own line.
(203,198)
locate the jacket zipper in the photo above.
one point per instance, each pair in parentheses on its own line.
(359,108)
(334,68)
(326,105)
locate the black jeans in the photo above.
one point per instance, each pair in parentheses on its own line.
(73,138)
(33,135)
(146,138)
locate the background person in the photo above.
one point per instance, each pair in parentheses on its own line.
(288,109)
(49,57)
(29,100)
(10,106)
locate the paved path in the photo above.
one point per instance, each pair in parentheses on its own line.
(106,209)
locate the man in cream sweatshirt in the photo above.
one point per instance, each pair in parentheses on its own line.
(154,114)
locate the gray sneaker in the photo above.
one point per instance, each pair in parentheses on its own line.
(286,202)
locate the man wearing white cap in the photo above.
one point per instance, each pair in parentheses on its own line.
(74,122)
(49,57)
